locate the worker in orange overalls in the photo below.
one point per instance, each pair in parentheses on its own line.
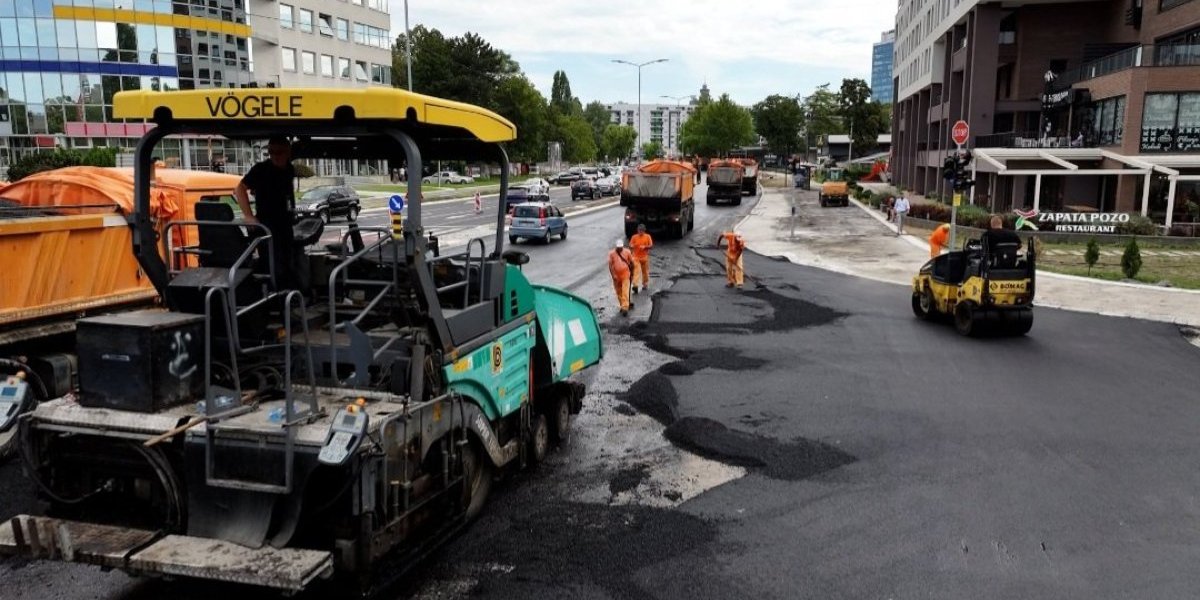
(620,266)
(641,243)
(938,240)
(734,244)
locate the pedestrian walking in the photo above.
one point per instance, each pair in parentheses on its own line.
(641,243)
(901,208)
(938,240)
(620,266)
(478,203)
(734,244)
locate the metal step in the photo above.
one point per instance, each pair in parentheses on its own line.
(138,551)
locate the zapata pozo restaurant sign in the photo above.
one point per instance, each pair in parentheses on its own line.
(1065,222)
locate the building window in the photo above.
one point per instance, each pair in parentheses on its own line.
(360,33)
(308,62)
(326,65)
(1171,122)
(343,30)
(344,68)
(325,25)
(1108,121)
(285,16)
(1178,50)
(360,70)
(1169,4)
(289,59)
(306,21)
(381,74)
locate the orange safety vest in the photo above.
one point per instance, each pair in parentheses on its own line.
(734,244)
(619,260)
(641,244)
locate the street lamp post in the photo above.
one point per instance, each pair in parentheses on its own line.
(408,46)
(639,110)
(678,105)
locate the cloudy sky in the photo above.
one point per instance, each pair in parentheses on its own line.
(746,49)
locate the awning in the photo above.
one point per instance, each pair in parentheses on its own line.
(1064,161)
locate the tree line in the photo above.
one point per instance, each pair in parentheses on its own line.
(469,69)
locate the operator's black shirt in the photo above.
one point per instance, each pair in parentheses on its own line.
(274,196)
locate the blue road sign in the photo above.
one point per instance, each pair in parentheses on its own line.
(396,203)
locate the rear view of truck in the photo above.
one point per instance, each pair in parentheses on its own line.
(724,182)
(749,176)
(659,195)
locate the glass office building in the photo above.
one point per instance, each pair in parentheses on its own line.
(61,62)
(881,68)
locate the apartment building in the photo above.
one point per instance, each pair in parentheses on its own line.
(61,62)
(1072,105)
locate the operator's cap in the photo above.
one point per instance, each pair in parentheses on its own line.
(641,226)
(620,243)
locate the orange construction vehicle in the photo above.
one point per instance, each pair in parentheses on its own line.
(750,176)
(659,195)
(725,181)
(64,244)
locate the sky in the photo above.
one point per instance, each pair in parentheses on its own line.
(749,50)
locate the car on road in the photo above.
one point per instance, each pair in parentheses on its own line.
(539,189)
(448,177)
(584,188)
(537,221)
(566,177)
(609,186)
(518,194)
(328,201)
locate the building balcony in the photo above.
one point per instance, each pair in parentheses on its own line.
(958,60)
(1031,139)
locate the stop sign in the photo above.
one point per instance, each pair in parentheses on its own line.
(959,132)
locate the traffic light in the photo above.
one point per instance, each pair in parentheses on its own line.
(960,176)
(949,167)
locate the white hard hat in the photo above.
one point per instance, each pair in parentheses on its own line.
(620,242)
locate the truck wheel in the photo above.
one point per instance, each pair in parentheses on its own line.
(737,201)
(512,239)
(539,440)
(562,420)
(477,479)
(630,230)
(709,201)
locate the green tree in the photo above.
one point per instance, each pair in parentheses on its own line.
(1131,260)
(561,100)
(866,118)
(618,141)
(576,136)
(518,101)
(599,117)
(779,119)
(1092,254)
(652,150)
(820,116)
(465,68)
(716,128)
(44,161)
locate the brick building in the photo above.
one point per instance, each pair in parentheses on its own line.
(1073,105)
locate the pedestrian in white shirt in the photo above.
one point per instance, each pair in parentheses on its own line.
(901,208)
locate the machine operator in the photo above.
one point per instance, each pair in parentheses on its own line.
(272,183)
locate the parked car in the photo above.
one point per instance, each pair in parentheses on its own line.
(591,172)
(448,177)
(537,221)
(328,201)
(584,188)
(609,186)
(566,177)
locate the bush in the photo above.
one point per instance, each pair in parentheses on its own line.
(56,159)
(1137,225)
(303,171)
(1131,260)
(973,216)
(930,211)
(1092,254)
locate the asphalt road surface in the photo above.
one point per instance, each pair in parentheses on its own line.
(809,438)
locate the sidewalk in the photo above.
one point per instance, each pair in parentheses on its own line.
(871,250)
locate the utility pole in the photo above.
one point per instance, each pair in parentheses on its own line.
(639,110)
(408,46)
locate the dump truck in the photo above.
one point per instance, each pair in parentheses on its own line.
(834,189)
(659,195)
(724,182)
(65,241)
(749,176)
(280,432)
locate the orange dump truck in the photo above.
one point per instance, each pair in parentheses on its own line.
(659,195)
(724,181)
(749,176)
(65,252)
